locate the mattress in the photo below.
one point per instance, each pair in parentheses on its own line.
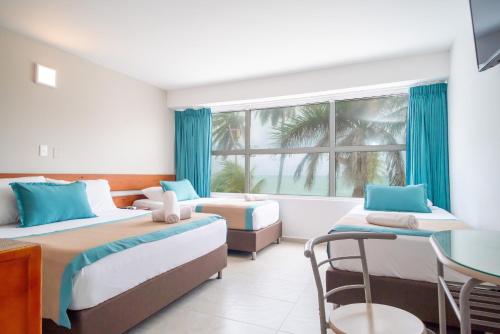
(407,257)
(265,214)
(119,272)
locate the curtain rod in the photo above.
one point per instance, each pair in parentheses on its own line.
(429,82)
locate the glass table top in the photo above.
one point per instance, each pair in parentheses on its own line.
(476,250)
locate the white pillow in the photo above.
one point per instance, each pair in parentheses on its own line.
(99,196)
(154,193)
(429,203)
(8,205)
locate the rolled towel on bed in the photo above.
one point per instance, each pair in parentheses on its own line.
(171,212)
(256,197)
(396,220)
(158,215)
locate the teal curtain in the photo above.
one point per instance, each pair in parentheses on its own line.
(193,148)
(427,142)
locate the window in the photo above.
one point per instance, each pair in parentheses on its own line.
(330,148)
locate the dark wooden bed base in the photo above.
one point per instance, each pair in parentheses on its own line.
(254,241)
(417,297)
(126,310)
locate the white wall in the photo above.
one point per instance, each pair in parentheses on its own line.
(311,217)
(98,120)
(416,68)
(474,134)
(306,217)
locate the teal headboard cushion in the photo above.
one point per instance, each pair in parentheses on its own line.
(44,202)
(183,189)
(411,198)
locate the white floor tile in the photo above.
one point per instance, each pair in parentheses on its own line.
(190,322)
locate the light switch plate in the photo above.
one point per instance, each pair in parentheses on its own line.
(43,150)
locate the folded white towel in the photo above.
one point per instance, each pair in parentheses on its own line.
(397,220)
(256,197)
(186,212)
(171,211)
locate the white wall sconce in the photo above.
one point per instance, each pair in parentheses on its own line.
(45,75)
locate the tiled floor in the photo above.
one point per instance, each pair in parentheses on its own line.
(274,294)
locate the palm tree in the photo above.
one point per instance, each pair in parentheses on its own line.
(311,129)
(227,129)
(232,179)
(275,116)
(364,167)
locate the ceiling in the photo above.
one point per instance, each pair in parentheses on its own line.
(183,43)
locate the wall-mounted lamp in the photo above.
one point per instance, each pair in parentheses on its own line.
(45,75)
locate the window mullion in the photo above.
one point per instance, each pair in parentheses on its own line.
(247,149)
(370,148)
(331,159)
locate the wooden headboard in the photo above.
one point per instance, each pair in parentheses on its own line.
(117,182)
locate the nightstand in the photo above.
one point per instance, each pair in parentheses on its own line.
(20,287)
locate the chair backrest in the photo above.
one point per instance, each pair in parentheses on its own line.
(360,237)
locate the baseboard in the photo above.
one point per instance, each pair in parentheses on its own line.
(295,239)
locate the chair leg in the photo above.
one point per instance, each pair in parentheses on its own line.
(278,241)
(254,256)
(219,275)
(323,326)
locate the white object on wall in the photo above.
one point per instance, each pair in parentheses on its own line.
(45,75)
(43,150)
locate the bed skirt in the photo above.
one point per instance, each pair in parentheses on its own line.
(253,241)
(128,309)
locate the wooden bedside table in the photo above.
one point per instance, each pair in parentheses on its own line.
(20,287)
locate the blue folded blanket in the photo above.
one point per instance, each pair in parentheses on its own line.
(376,229)
(380,229)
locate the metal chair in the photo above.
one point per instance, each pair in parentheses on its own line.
(359,318)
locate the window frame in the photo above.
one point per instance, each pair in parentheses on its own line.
(332,149)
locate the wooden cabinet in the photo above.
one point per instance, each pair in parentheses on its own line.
(20,287)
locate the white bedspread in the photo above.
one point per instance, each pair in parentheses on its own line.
(407,257)
(263,215)
(122,271)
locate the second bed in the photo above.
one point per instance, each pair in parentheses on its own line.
(252,225)
(403,272)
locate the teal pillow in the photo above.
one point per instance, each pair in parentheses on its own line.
(183,189)
(44,203)
(393,198)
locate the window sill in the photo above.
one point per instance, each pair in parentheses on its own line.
(296,197)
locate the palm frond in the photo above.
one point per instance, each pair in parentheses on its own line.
(305,129)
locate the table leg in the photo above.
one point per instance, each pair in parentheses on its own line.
(441,300)
(464,303)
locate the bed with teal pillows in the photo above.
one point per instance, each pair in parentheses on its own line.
(41,203)
(411,198)
(183,189)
